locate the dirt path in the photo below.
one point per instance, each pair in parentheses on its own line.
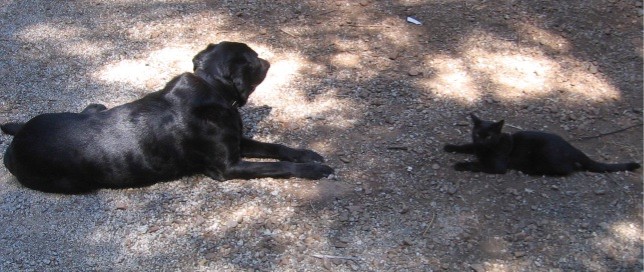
(378,97)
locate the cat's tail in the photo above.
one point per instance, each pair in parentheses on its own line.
(11,128)
(599,167)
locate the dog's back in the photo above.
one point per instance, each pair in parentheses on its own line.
(127,146)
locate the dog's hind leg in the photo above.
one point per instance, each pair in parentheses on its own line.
(250,170)
(11,128)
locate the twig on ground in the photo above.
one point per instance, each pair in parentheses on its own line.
(610,178)
(513,126)
(397,147)
(294,36)
(430,223)
(327,12)
(385,26)
(321,256)
(608,133)
(533,180)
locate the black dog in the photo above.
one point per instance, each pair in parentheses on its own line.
(191,126)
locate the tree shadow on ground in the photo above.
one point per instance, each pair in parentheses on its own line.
(378,97)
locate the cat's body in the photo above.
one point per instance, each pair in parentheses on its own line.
(531,152)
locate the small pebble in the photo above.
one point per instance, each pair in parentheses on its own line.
(452,190)
(231,224)
(593,69)
(153,229)
(477,267)
(414,72)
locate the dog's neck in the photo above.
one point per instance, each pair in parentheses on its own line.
(222,86)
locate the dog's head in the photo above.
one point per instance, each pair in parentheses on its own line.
(233,64)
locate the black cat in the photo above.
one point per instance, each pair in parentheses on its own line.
(531,152)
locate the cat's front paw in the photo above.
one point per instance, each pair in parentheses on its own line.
(463,166)
(450,148)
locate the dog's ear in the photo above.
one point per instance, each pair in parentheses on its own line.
(198,60)
(241,78)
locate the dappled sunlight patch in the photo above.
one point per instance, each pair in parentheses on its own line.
(455,224)
(290,102)
(486,67)
(623,241)
(46,32)
(524,73)
(318,191)
(451,80)
(124,2)
(324,146)
(532,74)
(290,109)
(69,39)
(499,266)
(398,36)
(248,213)
(134,72)
(346,60)
(516,76)
(281,73)
(152,71)
(341,45)
(553,41)
(628,232)
(585,85)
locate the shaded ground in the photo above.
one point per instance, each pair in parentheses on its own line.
(378,97)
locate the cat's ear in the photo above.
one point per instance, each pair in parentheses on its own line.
(475,119)
(498,126)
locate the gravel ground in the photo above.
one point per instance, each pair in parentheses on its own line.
(378,97)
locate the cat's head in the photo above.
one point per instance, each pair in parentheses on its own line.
(486,132)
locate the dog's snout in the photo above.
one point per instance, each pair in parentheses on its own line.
(265,64)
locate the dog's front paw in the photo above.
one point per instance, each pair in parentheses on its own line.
(305,155)
(313,170)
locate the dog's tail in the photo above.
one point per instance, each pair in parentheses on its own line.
(11,128)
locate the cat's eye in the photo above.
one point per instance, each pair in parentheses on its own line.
(484,136)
